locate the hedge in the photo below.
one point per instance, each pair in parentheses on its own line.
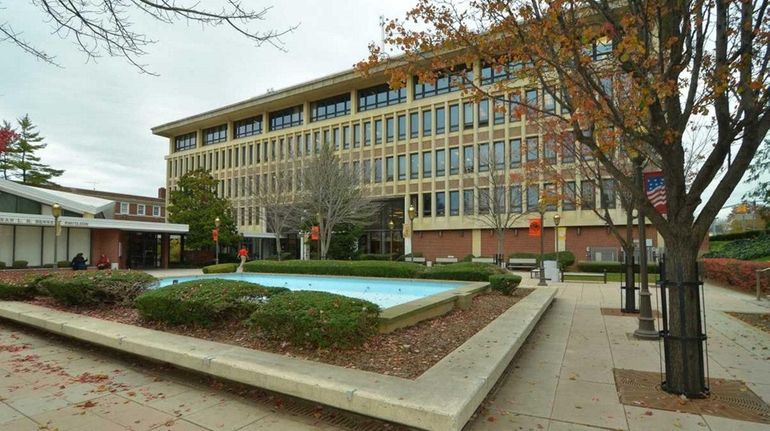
(737,273)
(566,258)
(11,291)
(19,264)
(743,249)
(202,302)
(504,283)
(360,268)
(376,256)
(221,268)
(465,271)
(2,265)
(652,268)
(317,319)
(739,235)
(92,288)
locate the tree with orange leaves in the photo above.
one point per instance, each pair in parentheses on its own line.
(645,70)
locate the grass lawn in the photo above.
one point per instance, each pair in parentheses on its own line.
(611,277)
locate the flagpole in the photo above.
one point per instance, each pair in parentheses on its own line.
(646,327)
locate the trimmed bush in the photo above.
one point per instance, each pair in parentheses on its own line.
(468,258)
(318,319)
(64,264)
(92,288)
(19,264)
(2,265)
(337,267)
(524,256)
(11,291)
(203,302)
(737,273)
(652,268)
(284,256)
(222,268)
(376,256)
(743,249)
(566,258)
(465,271)
(504,283)
(739,235)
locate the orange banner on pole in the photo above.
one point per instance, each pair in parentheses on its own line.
(314,231)
(534,227)
(214,234)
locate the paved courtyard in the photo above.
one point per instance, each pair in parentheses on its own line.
(562,379)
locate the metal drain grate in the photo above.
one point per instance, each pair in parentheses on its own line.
(729,398)
(338,418)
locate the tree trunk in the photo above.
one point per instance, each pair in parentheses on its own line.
(685,369)
(278,245)
(500,245)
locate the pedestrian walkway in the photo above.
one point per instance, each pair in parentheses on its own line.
(562,378)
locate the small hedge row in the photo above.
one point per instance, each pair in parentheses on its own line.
(611,267)
(318,319)
(465,271)
(566,258)
(203,302)
(365,268)
(92,288)
(738,273)
(377,256)
(221,268)
(739,235)
(743,249)
(504,283)
(13,291)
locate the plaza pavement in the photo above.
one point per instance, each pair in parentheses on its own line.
(561,379)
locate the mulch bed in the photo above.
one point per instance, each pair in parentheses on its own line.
(406,353)
(757,320)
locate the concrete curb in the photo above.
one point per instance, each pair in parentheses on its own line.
(443,398)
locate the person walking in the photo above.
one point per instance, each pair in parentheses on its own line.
(243,254)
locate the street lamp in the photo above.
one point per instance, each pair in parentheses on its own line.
(556,221)
(56,212)
(541,208)
(216,237)
(391,226)
(412,213)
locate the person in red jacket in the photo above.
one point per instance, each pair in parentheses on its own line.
(103,262)
(243,254)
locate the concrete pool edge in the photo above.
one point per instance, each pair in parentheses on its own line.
(443,398)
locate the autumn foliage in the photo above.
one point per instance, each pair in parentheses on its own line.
(737,273)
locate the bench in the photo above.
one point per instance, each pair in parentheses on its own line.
(448,259)
(483,260)
(522,263)
(598,275)
(415,260)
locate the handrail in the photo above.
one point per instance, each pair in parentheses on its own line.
(759,288)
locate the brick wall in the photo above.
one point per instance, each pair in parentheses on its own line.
(434,244)
(105,241)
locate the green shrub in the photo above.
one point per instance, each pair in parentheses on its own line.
(11,291)
(465,271)
(739,235)
(611,267)
(566,258)
(221,268)
(19,264)
(504,283)
(468,258)
(337,267)
(743,249)
(409,255)
(202,302)
(92,288)
(2,265)
(376,256)
(318,319)
(64,264)
(524,256)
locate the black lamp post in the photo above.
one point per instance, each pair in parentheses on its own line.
(391,225)
(217,222)
(556,221)
(646,327)
(56,212)
(541,208)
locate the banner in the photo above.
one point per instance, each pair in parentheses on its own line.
(314,232)
(655,188)
(215,235)
(534,227)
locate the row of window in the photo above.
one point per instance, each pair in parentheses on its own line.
(141,209)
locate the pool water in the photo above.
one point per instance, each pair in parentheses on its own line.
(381,291)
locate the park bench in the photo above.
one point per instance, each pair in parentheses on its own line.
(415,259)
(522,263)
(448,259)
(483,260)
(597,275)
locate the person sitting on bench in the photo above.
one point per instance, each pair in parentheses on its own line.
(78,262)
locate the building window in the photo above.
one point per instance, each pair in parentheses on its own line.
(377,131)
(401,127)
(498,111)
(414,166)
(215,135)
(124,208)
(568,148)
(533,196)
(549,151)
(446,82)
(427,123)
(602,49)
(356,135)
(454,161)
(587,195)
(248,127)
(345,138)
(483,201)
(570,196)
(549,104)
(440,203)
(185,142)
(286,118)
(514,107)
(426,164)
(367,133)
(389,169)
(427,210)
(379,96)
(499,203)
(378,170)
(367,171)
(467,115)
(454,118)
(515,198)
(468,202)
(468,163)
(155,211)
(515,152)
(531,98)
(440,162)
(499,72)
(402,167)
(336,106)
(608,194)
(389,123)
(440,120)
(414,124)
(499,151)
(532,150)
(454,203)
(484,113)
(550,196)
(140,209)
(483,157)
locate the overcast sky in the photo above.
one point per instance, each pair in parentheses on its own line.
(96,117)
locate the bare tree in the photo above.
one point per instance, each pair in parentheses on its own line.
(105,27)
(275,205)
(334,195)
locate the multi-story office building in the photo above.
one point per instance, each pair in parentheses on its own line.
(425,144)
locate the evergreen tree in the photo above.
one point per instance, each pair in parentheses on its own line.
(196,204)
(20,162)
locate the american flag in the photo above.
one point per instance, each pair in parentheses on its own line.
(655,187)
